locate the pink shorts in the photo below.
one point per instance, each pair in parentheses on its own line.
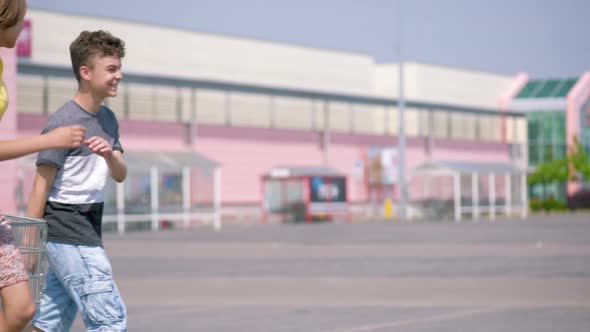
(12,269)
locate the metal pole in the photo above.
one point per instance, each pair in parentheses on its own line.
(492,192)
(457,195)
(475,194)
(155,199)
(326,133)
(217,199)
(186,196)
(120,207)
(402,135)
(523,196)
(508,191)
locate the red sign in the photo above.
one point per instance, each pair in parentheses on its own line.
(24,43)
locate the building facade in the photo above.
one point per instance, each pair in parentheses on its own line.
(251,105)
(557,112)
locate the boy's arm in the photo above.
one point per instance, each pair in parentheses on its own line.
(117,166)
(38,199)
(114,158)
(62,137)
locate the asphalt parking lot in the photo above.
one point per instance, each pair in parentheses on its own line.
(506,275)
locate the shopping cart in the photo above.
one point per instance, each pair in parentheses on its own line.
(30,236)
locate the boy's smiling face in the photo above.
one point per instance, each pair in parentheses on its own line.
(104,75)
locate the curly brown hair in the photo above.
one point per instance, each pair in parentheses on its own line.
(11,11)
(90,43)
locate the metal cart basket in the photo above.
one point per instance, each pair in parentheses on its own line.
(30,236)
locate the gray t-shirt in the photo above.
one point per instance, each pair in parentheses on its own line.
(75,203)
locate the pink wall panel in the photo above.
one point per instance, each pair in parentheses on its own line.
(246,153)
(8,131)
(342,158)
(576,98)
(243,161)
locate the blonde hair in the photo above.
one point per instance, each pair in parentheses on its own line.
(11,12)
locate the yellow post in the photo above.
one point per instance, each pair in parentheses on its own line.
(388,208)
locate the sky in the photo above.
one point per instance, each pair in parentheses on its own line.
(544,38)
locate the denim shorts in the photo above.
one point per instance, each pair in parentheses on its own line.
(79,278)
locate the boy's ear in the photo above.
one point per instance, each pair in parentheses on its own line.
(84,73)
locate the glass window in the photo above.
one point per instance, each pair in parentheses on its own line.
(369,119)
(202,188)
(294,113)
(560,132)
(547,127)
(170,191)
(548,153)
(533,127)
(138,193)
(560,151)
(411,121)
(440,124)
(141,106)
(392,125)
(489,127)
(164,103)
(534,157)
(250,110)
(60,91)
(339,119)
(463,126)
(211,106)
(30,94)
(424,117)
(110,197)
(273,200)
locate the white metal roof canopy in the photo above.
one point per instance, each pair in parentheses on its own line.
(457,168)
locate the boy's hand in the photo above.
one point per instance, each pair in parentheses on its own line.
(66,137)
(99,146)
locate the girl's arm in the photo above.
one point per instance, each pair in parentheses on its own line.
(59,138)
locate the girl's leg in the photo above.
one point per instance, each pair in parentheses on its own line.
(18,307)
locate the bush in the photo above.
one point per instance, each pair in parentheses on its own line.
(535,204)
(548,204)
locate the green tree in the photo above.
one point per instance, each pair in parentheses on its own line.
(556,170)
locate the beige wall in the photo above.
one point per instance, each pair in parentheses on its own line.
(181,53)
(430,83)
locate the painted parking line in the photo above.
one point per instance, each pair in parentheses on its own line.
(436,318)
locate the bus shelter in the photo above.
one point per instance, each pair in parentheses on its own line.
(452,189)
(162,190)
(304,194)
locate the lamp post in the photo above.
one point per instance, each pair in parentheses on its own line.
(401,103)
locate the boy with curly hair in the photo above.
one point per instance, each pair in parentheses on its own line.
(68,193)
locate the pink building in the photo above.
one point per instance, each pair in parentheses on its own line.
(343,132)
(221,118)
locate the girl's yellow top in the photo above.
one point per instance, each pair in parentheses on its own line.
(3,93)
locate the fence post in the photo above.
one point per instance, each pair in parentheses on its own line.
(120,207)
(475,194)
(186,195)
(155,204)
(492,192)
(457,192)
(217,199)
